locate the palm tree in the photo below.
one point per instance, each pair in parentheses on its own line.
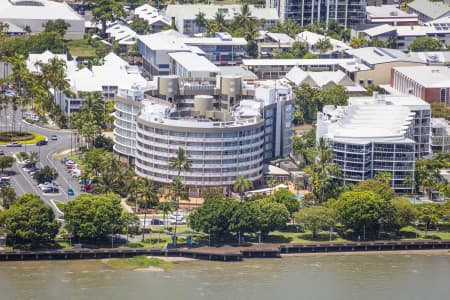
(200,20)
(166,208)
(93,109)
(88,131)
(245,15)
(391,42)
(147,196)
(177,192)
(242,185)
(323,171)
(180,162)
(324,45)
(54,73)
(219,22)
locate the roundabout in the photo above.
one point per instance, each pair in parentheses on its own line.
(23,137)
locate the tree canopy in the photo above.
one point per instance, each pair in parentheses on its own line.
(425,44)
(29,222)
(93,217)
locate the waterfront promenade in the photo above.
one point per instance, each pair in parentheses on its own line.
(227,253)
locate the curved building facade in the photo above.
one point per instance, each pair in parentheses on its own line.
(220,152)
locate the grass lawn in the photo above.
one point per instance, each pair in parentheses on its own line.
(59,204)
(139,262)
(81,48)
(147,243)
(37,137)
(301,237)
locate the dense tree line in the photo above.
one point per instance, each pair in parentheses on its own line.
(223,217)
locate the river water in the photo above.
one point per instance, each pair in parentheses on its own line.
(368,276)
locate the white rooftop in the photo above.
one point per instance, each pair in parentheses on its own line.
(280,37)
(189,11)
(433,57)
(150,14)
(295,62)
(374,55)
(37,10)
(193,62)
(409,101)
(365,123)
(312,38)
(428,76)
(213,41)
(119,31)
(115,72)
(387,11)
(165,40)
(322,79)
(34,59)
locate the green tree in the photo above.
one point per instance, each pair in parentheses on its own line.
(93,217)
(200,19)
(440,110)
(299,49)
(429,215)
(180,162)
(363,211)
(315,218)
(166,208)
(213,217)
(288,199)
(376,43)
(324,45)
(391,42)
(8,196)
(29,222)
(310,55)
(244,218)
(130,223)
(242,185)
(425,44)
(147,196)
(404,213)
(381,188)
(46,174)
(6,162)
(59,25)
(270,215)
(322,172)
(358,43)
(107,10)
(140,26)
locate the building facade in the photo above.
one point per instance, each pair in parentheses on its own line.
(430,83)
(379,134)
(227,130)
(346,12)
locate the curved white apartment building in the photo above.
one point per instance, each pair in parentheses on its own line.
(219,151)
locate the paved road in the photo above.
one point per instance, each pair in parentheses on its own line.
(23,183)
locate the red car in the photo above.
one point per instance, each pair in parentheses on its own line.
(69,167)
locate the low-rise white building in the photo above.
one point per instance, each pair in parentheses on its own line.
(155,19)
(312,38)
(35,13)
(324,79)
(390,14)
(191,65)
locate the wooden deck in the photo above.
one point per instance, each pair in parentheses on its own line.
(226,253)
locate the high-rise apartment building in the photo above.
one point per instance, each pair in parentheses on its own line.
(346,12)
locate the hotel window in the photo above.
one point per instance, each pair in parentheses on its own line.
(442,96)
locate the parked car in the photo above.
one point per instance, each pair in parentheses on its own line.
(14,144)
(2,152)
(70,167)
(64,160)
(54,137)
(156,222)
(70,192)
(41,143)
